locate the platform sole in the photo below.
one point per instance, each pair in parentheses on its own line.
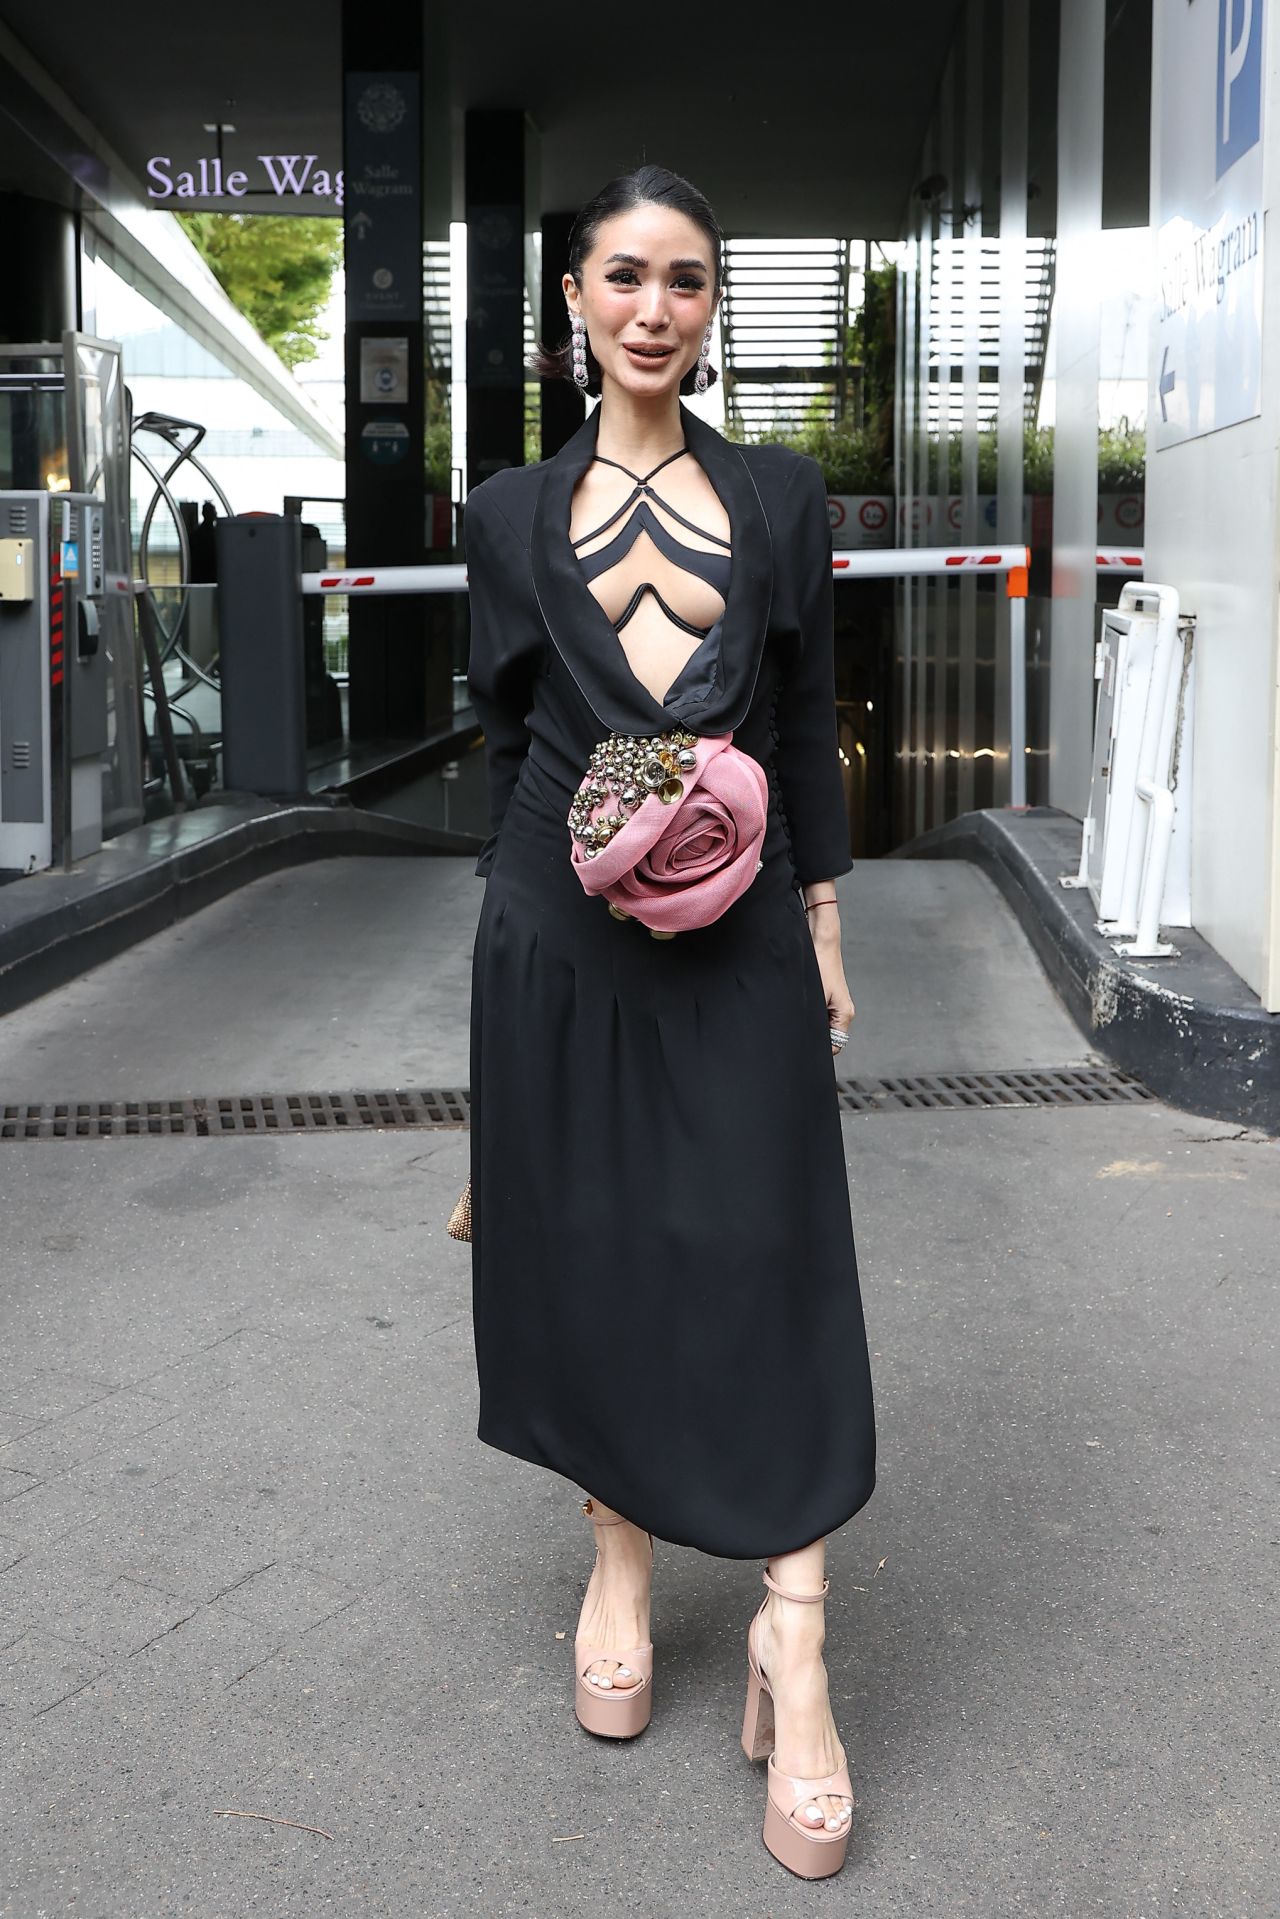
(616,1715)
(816,1858)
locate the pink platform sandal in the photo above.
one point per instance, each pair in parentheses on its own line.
(812,1852)
(613,1712)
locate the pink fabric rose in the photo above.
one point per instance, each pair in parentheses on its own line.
(680,863)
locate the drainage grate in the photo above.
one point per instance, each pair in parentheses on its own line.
(1026,1086)
(265,1113)
(450,1106)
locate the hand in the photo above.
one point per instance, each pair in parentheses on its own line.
(824,927)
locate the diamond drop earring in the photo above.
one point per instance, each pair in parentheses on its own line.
(579,327)
(700,379)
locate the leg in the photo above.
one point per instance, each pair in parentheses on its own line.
(615,1608)
(790,1640)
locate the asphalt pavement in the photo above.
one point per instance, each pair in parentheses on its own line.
(279,1636)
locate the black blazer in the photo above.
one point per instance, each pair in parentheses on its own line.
(527,590)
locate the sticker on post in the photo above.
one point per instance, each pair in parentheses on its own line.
(384,370)
(385,441)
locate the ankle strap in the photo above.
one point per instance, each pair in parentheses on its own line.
(590,1511)
(782,1592)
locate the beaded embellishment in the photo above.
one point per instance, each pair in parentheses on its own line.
(628,767)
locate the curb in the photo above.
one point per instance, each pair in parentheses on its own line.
(1187,1027)
(92,914)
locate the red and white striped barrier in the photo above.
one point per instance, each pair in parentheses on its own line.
(886,563)
(389,579)
(896,562)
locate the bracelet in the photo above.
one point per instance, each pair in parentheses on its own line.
(833,901)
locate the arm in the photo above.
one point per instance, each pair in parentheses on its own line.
(498,673)
(808,762)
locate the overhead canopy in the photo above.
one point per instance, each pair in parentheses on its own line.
(793,121)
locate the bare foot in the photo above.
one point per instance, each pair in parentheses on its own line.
(789,1641)
(615,1607)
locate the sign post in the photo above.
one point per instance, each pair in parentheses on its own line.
(385,406)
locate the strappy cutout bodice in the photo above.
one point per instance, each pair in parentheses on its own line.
(698,607)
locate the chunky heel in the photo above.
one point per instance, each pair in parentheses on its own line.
(757,1719)
(811,1852)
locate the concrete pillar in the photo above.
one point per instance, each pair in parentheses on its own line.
(1213,421)
(562,407)
(496,147)
(39,288)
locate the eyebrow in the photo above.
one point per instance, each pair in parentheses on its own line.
(634,260)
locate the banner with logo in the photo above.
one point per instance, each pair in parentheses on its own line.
(383,194)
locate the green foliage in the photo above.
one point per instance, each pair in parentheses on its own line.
(532,422)
(850,456)
(275,269)
(437,443)
(1037,459)
(986,463)
(853,461)
(872,346)
(438,457)
(1122,458)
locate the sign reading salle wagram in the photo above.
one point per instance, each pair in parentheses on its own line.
(284,174)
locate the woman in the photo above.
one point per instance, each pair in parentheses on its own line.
(665,1290)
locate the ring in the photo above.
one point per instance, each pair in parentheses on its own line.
(839,1036)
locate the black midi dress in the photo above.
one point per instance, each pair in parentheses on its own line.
(666,1301)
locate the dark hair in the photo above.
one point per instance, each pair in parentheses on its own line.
(643,186)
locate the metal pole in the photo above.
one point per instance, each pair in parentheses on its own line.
(1017,700)
(147,624)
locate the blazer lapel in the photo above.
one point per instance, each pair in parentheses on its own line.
(584,636)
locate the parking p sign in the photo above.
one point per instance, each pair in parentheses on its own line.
(1239,79)
(1205,366)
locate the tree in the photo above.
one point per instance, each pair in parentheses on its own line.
(277,270)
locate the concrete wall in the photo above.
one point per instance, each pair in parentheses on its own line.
(1212,532)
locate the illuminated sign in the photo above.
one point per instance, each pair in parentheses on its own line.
(284,174)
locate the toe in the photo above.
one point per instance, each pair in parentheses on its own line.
(833,1811)
(610,1675)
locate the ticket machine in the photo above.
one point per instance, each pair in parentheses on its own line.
(53,678)
(70,701)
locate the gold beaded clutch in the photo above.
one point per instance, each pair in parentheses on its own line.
(459,1226)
